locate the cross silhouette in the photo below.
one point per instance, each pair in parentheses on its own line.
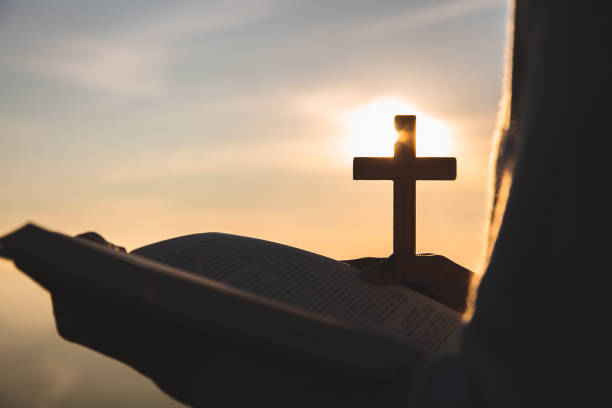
(404,168)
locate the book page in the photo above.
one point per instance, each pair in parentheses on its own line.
(314,283)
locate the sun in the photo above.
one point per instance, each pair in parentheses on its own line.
(371,132)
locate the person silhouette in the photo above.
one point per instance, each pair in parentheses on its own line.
(530,341)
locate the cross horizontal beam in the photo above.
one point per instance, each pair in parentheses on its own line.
(419,168)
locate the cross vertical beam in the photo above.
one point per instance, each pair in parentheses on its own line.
(404,190)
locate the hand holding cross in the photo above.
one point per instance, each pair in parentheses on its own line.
(434,275)
(404,168)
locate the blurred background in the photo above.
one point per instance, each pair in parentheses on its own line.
(145,120)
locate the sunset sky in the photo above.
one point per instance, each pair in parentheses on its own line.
(147,120)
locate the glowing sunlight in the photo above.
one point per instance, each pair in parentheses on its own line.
(371,132)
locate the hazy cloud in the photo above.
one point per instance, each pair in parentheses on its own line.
(103,65)
(131,60)
(301,155)
(433,14)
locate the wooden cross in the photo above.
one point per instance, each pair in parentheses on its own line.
(404,168)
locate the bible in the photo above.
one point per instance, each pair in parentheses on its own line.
(221,292)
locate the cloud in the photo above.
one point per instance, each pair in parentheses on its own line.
(298,155)
(427,16)
(134,60)
(135,55)
(204,19)
(103,66)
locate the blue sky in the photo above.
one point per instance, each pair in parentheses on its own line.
(144,120)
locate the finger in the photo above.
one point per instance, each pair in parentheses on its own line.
(97,238)
(92,236)
(362,262)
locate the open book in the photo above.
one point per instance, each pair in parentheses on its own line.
(251,289)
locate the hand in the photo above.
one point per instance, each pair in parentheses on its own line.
(433,275)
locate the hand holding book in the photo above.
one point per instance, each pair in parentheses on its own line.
(206,313)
